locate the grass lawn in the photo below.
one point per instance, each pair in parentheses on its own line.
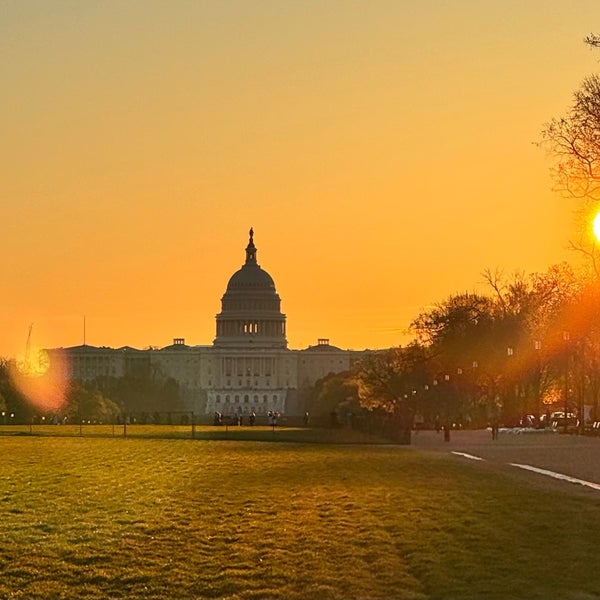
(200,432)
(95,517)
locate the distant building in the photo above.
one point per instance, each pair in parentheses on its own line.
(248,368)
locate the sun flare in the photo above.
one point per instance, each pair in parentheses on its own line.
(35,365)
(41,383)
(596,226)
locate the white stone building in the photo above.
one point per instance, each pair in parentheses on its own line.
(248,368)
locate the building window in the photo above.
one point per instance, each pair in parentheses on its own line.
(237,399)
(218,398)
(274,397)
(265,399)
(255,399)
(227,399)
(246,399)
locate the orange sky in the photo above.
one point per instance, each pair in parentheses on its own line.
(382,151)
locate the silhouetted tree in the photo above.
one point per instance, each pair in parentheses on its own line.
(90,405)
(336,392)
(573,141)
(13,401)
(391,381)
(592,40)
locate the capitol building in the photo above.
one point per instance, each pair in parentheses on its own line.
(248,368)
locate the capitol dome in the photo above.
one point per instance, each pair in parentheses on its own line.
(250,277)
(250,308)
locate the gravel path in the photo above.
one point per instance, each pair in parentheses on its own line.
(572,455)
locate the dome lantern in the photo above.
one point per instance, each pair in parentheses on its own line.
(251,249)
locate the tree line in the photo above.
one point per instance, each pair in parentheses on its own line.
(528,347)
(100,400)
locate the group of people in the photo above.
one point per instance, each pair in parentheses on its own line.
(237,419)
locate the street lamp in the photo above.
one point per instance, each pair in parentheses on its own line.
(447,416)
(510,408)
(436,397)
(537,346)
(566,338)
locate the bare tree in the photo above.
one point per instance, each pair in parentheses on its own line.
(592,40)
(573,141)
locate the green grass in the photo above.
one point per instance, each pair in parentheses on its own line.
(200,432)
(177,519)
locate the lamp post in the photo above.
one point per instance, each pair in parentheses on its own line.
(566,338)
(447,415)
(537,346)
(510,352)
(436,398)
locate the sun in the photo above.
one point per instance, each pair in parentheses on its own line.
(596,226)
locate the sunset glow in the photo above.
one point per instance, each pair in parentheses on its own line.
(383,152)
(42,383)
(33,366)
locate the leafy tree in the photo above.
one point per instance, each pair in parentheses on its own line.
(380,380)
(90,405)
(389,382)
(487,350)
(453,328)
(464,336)
(141,392)
(13,401)
(334,393)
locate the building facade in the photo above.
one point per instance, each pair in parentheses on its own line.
(247,369)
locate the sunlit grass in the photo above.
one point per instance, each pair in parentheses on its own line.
(206,432)
(177,519)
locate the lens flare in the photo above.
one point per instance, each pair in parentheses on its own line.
(596,226)
(43,383)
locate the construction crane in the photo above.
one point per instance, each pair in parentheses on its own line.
(27,361)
